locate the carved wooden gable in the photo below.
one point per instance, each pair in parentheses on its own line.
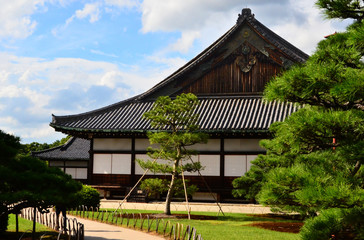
(240,62)
(243,65)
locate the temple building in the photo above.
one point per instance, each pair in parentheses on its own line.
(72,158)
(228,77)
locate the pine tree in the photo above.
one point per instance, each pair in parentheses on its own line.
(314,162)
(28,182)
(175,124)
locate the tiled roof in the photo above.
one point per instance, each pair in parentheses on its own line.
(219,114)
(74,149)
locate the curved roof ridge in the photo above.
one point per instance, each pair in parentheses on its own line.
(74,149)
(93,112)
(190,63)
(286,44)
(46,150)
(61,147)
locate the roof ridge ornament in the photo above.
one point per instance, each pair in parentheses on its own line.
(246,13)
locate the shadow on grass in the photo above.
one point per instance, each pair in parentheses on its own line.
(261,218)
(46,235)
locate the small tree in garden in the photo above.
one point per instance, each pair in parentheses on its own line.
(176,128)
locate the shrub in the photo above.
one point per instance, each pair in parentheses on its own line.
(155,187)
(179,189)
(89,197)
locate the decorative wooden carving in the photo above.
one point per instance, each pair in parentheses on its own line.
(246,60)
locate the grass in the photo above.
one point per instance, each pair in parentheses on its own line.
(235,226)
(231,226)
(26,226)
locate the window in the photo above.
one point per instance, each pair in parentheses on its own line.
(237,165)
(112,163)
(77,173)
(145,157)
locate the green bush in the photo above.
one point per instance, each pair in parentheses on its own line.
(89,197)
(338,224)
(179,189)
(156,187)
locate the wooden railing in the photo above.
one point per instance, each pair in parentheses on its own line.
(66,226)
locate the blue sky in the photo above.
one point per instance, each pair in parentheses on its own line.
(66,57)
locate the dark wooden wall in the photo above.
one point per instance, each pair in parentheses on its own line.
(226,77)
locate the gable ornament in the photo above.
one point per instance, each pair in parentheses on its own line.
(245,61)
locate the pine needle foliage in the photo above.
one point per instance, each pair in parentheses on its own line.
(175,130)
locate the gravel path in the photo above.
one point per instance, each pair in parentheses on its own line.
(102,231)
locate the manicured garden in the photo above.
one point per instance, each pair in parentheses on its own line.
(231,226)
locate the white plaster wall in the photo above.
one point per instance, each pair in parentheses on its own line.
(211,145)
(242,145)
(141,144)
(112,144)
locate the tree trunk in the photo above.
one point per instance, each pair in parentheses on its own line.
(17,222)
(34,222)
(167,211)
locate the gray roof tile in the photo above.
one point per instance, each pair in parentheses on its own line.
(74,149)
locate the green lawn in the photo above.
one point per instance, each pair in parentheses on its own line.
(235,226)
(26,226)
(231,226)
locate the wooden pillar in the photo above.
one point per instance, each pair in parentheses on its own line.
(34,222)
(222,164)
(90,166)
(132,170)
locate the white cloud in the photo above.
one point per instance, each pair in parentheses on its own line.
(299,22)
(34,88)
(103,54)
(122,3)
(42,131)
(90,10)
(10,121)
(15,18)
(184,43)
